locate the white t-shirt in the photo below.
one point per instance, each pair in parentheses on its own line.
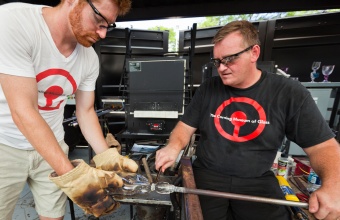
(28,50)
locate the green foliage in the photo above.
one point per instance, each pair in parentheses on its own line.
(312,12)
(222,20)
(172,36)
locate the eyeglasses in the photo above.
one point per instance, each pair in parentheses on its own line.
(229,59)
(109,27)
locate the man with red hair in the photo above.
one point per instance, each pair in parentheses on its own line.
(46,55)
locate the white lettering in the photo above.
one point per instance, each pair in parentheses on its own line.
(263,122)
(240,119)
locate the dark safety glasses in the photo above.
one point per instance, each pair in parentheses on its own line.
(229,59)
(109,27)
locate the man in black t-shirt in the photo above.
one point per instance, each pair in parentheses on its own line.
(243,116)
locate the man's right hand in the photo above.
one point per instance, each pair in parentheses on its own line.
(180,136)
(166,157)
(86,186)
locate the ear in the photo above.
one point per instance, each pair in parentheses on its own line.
(255,53)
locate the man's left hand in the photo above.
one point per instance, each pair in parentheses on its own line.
(324,203)
(111,160)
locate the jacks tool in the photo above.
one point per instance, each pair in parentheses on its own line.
(166,188)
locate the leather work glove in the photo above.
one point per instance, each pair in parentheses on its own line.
(86,185)
(113,143)
(111,160)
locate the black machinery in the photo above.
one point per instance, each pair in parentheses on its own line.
(156,93)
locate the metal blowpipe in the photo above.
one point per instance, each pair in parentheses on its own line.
(166,188)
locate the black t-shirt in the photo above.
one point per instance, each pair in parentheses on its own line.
(242,129)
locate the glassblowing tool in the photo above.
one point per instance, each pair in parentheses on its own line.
(147,170)
(159,172)
(166,188)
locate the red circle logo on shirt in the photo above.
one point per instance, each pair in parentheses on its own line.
(241,120)
(55,91)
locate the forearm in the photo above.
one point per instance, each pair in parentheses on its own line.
(325,160)
(41,137)
(181,135)
(91,129)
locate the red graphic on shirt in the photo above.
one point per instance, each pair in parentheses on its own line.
(55,91)
(242,118)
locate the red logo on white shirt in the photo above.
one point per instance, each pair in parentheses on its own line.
(53,92)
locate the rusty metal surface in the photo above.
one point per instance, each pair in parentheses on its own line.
(150,212)
(191,202)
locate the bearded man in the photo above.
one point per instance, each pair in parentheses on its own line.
(46,55)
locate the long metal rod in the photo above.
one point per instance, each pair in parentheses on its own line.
(240,197)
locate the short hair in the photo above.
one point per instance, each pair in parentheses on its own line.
(124,6)
(245,28)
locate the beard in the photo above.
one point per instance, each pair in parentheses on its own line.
(78,29)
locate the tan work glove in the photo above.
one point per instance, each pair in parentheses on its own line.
(113,143)
(111,160)
(85,186)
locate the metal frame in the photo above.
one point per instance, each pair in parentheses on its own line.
(191,207)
